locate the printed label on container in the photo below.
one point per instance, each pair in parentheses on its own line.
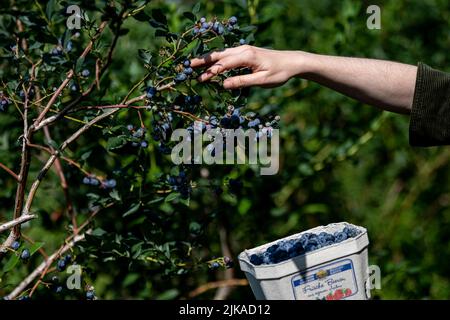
(334,281)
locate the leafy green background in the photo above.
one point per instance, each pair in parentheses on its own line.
(340,161)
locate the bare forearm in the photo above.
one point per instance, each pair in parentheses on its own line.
(384,84)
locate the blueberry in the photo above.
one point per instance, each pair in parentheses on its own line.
(61,265)
(254,123)
(86,180)
(24,298)
(151,92)
(236,112)
(195,31)
(130,127)
(139,133)
(214,265)
(232,20)
(256,259)
(144,144)
(172,180)
(202,30)
(55,279)
(69,46)
(205,25)
(242,41)
(272,248)
(216,26)
(229,263)
(110,184)
(220,30)
(74,88)
(55,52)
(68,259)
(202,20)
(94,181)
(85,73)
(188,100)
(188,71)
(180,77)
(351,232)
(187,63)
(235,121)
(267,258)
(225,122)
(25,255)
(15,245)
(280,254)
(197,99)
(340,236)
(58,289)
(90,295)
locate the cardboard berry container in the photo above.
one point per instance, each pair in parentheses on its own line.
(334,272)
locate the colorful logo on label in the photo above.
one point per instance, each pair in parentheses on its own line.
(334,281)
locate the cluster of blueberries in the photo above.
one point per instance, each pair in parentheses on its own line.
(138,134)
(31,93)
(287,249)
(226,262)
(180,184)
(106,184)
(63,262)
(4,102)
(25,254)
(203,26)
(187,71)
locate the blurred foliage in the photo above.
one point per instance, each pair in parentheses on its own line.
(340,161)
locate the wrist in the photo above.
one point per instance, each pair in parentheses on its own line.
(306,64)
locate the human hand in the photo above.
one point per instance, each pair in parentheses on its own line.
(270,68)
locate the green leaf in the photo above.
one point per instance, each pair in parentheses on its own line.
(196,8)
(51,9)
(159,16)
(145,55)
(116,142)
(190,16)
(141,16)
(160,33)
(35,247)
(11,263)
(247,29)
(115,195)
(98,232)
(132,210)
(172,196)
(168,295)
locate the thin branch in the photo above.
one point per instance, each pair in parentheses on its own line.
(217,284)
(69,76)
(12,173)
(22,219)
(62,178)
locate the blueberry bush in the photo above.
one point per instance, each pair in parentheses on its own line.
(86,176)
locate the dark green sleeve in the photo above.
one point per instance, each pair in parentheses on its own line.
(430,114)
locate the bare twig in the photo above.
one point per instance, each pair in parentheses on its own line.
(12,173)
(69,76)
(217,284)
(10,224)
(62,178)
